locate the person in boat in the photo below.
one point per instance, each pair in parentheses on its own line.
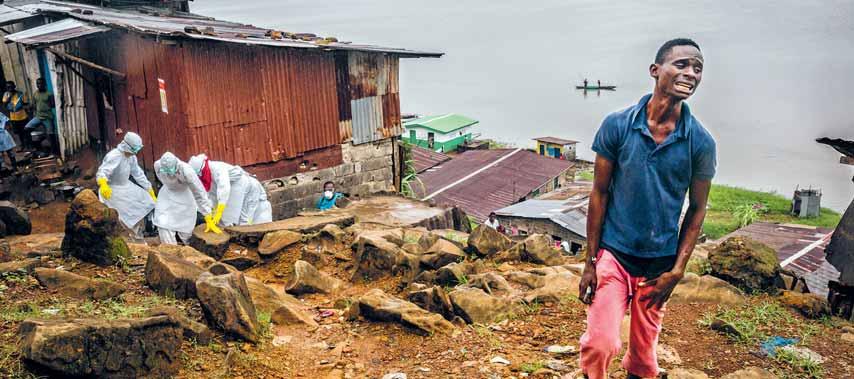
(585,82)
(599,83)
(639,252)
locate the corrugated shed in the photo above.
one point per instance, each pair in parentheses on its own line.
(367,119)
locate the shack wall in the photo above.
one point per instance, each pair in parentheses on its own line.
(541,226)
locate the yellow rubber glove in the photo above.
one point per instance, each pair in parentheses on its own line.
(218,215)
(153,196)
(210,226)
(104,188)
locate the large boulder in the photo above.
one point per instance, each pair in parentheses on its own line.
(557,288)
(212,244)
(92,232)
(133,348)
(808,304)
(490,283)
(478,307)
(485,241)
(538,248)
(379,306)
(433,299)
(24,265)
(747,264)
(168,274)
(458,273)
(241,258)
(275,242)
(193,330)
(73,285)
(16,220)
(228,305)
(376,258)
(283,309)
(695,288)
(307,279)
(187,253)
(442,252)
(251,235)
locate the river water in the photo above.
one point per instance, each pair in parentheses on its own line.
(777,74)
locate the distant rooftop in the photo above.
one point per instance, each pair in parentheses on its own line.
(555,140)
(425,159)
(570,214)
(444,124)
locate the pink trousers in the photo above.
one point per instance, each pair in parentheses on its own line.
(616,292)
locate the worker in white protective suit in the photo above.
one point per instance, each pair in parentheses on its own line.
(181,196)
(256,208)
(226,186)
(132,201)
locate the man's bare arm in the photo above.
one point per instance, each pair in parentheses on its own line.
(602,170)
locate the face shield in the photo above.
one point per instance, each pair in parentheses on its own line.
(169,164)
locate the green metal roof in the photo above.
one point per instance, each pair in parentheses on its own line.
(444,124)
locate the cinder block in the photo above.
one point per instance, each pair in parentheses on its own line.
(376,164)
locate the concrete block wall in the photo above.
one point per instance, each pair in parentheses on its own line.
(366,169)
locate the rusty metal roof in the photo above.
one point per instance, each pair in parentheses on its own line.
(56,32)
(799,248)
(483,181)
(196,27)
(555,140)
(569,214)
(425,159)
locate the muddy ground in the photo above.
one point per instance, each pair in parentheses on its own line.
(367,349)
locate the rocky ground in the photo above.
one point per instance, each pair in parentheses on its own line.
(369,292)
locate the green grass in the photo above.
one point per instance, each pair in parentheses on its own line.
(799,366)
(531,367)
(264,319)
(754,323)
(586,175)
(727,203)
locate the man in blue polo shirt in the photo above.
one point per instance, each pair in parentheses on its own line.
(648,157)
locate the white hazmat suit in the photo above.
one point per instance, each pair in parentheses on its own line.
(132,201)
(228,186)
(181,196)
(256,208)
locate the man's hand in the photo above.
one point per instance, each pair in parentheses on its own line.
(588,283)
(662,288)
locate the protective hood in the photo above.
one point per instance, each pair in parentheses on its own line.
(197,162)
(132,143)
(169,163)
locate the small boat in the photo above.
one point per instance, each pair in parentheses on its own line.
(597,88)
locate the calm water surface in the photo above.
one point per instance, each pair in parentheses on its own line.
(777,75)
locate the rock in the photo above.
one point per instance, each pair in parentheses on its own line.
(668,355)
(377,258)
(686,373)
(442,252)
(478,307)
(456,273)
(561,350)
(725,328)
(810,305)
(485,241)
(457,237)
(284,309)
(527,279)
(209,243)
(751,372)
(395,375)
(413,248)
(334,232)
(307,279)
(747,264)
(251,235)
(379,306)
(694,288)
(490,283)
(241,258)
(92,233)
(433,299)
(104,349)
(193,330)
(187,253)
(499,360)
(17,221)
(24,265)
(73,285)
(538,248)
(847,337)
(557,365)
(273,243)
(42,195)
(228,305)
(803,353)
(167,274)
(557,288)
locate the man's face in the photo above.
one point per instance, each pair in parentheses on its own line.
(10,87)
(40,84)
(329,187)
(680,74)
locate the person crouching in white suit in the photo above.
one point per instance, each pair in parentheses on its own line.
(181,196)
(226,185)
(256,208)
(132,201)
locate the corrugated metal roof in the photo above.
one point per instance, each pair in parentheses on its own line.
(56,32)
(203,28)
(425,158)
(570,214)
(555,140)
(9,15)
(477,184)
(446,123)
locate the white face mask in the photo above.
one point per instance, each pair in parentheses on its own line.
(328,194)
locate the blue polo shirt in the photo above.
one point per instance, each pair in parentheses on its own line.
(650,181)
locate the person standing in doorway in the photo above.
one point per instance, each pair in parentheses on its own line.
(492,221)
(648,156)
(44,105)
(15,107)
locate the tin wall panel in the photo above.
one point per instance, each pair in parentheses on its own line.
(391,116)
(364,74)
(367,119)
(71,106)
(342,83)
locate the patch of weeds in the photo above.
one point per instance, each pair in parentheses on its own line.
(463,279)
(11,365)
(801,367)
(753,323)
(264,319)
(119,308)
(699,266)
(532,308)
(215,347)
(531,367)
(409,238)
(484,332)
(243,361)
(454,237)
(586,175)
(15,277)
(21,311)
